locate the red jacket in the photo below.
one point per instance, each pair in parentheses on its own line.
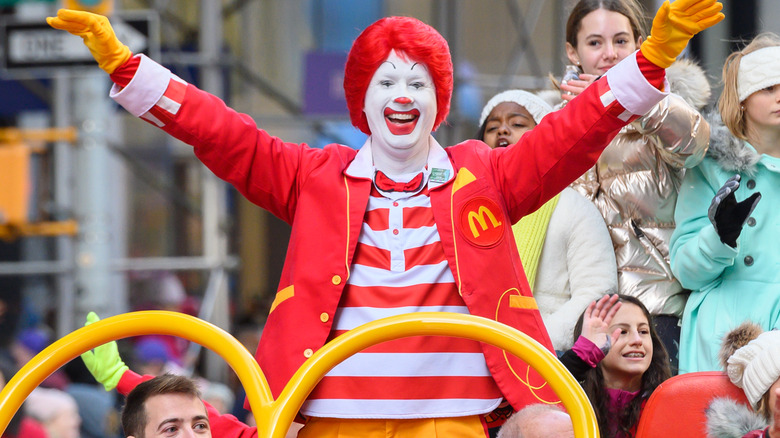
(311,190)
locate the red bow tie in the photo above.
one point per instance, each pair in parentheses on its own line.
(388,185)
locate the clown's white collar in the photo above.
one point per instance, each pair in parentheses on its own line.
(441,170)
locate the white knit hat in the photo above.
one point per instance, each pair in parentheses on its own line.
(756,366)
(531,102)
(758,70)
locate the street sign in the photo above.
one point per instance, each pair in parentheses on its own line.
(37,47)
(11,3)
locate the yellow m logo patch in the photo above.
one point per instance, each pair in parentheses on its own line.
(481,217)
(481,222)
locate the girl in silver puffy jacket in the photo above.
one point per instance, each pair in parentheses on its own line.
(635,182)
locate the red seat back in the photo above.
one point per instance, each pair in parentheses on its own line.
(676,408)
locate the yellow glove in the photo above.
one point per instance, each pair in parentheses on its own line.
(97,34)
(675,24)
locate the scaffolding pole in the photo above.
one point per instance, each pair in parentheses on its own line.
(214,240)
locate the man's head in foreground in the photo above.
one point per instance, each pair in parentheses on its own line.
(165,406)
(537,421)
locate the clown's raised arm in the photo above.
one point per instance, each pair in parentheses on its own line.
(397,113)
(402,224)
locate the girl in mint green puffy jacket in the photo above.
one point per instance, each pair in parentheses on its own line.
(725,247)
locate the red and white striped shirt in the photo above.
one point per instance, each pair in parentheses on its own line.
(399,267)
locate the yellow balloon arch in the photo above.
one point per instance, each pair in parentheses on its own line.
(274,417)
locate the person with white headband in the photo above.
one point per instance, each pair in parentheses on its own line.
(751,359)
(564,246)
(725,246)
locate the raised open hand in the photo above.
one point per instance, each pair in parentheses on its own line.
(596,320)
(98,36)
(675,24)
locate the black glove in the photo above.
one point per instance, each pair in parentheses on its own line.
(729,216)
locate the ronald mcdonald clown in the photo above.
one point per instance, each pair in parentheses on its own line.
(400,225)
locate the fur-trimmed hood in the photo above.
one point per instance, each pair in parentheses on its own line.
(688,80)
(729,419)
(731,153)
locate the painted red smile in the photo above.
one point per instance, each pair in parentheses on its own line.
(401,122)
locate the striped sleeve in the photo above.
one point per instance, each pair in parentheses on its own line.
(166,108)
(153,94)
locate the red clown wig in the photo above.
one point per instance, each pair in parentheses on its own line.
(408,37)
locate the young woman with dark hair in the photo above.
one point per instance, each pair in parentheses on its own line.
(620,360)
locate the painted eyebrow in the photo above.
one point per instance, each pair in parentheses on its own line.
(390,64)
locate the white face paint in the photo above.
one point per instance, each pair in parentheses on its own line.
(400,108)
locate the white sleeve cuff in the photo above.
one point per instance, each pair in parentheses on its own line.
(145,89)
(631,88)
